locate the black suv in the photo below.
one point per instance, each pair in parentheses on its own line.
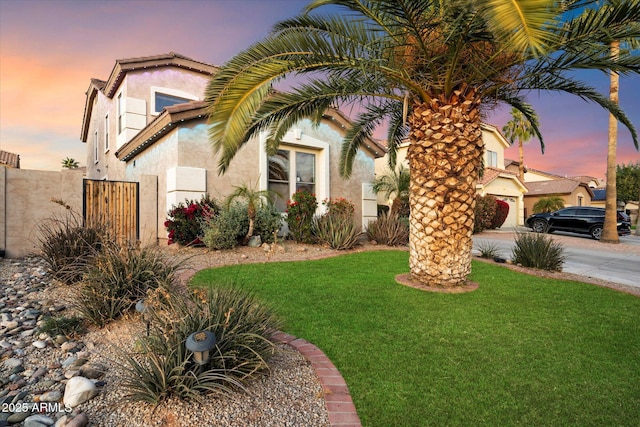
(577,219)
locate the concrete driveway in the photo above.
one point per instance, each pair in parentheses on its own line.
(585,257)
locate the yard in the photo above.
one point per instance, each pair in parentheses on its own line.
(520,350)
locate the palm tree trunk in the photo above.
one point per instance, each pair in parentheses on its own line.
(521,165)
(610,229)
(445,154)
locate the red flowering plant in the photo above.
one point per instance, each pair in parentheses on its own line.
(300,211)
(502,211)
(184,225)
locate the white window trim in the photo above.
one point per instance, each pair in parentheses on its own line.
(119,113)
(296,141)
(106,133)
(167,91)
(95,147)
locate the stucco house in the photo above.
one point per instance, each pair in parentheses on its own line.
(496,180)
(573,193)
(148,121)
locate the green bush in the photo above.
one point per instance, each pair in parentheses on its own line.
(184,225)
(226,229)
(336,228)
(242,326)
(118,278)
(389,230)
(268,223)
(484,212)
(67,246)
(538,251)
(61,325)
(300,212)
(488,249)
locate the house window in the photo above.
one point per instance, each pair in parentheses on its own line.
(291,171)
(106,133)
(120,113)
(163,100)
(492,159)
(95,147)
(162,97)
(580,200)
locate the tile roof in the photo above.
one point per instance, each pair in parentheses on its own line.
(554,186)
(9,159)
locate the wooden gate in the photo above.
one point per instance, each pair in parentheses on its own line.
(116,205)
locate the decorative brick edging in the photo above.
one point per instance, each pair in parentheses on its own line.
(342,411)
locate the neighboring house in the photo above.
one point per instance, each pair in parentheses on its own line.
(534,175)
(496,180)
(149,119)
(9,160)
(599,197)
(589,180)
(573,193)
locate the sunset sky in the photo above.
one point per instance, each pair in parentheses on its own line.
(50,49)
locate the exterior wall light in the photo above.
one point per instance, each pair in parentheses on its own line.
(200,343)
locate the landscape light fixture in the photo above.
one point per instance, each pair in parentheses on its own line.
(201,343)
(142,308)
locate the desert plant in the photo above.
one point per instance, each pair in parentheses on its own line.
(389,230)
(224,230)
(502,211)
(268,223)
(68,246)
(184,225)
(548,204)
(488,249)
(538,251)
(118,278)
(241,324)
(484,212)
(70,163)
(61,325)
(395,183)
(254,199)
(301,209)
(336,228)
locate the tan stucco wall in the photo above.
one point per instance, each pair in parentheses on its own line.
(509,191)
(26,203)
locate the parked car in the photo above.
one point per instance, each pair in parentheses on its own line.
(577,219)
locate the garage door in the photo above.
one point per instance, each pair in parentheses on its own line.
(512,218)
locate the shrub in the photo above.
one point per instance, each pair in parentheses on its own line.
(118,278)
(67,246)
(336,228)
(300,212)
(242,326)
(389,230)
(502,211)
(488,249)
(538,251)
(184,224)
(268,223)
(548,204)
(226,229)
(61,325)
(484,212)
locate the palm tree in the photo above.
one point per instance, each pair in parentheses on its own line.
(69,163)
(548,204)
(394,183)
(519,129)
(610,227)
(255,199)
(427,69)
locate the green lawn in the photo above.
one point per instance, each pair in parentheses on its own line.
(520,350)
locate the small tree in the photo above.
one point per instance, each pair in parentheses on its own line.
(255,199)
(69,163)
(548,204)
(394,183)
(628,181)
(484,213)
